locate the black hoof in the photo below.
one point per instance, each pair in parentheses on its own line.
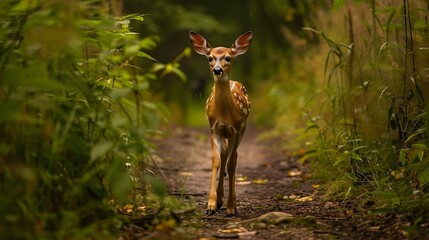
(210,212)
(230,215)
(219,205)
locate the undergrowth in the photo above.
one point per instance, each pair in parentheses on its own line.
(75,110)
(366,131)
(370,138)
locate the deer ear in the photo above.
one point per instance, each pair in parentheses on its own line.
(199,43)
(242,43)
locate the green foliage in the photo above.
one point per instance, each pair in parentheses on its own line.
(370,137)
(74,109)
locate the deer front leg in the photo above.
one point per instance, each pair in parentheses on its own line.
(216,149)
(220,191)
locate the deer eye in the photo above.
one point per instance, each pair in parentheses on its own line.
(210,59)
(228,58)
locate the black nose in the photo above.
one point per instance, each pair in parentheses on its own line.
(217,70)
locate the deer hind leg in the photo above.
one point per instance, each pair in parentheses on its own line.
(231,209)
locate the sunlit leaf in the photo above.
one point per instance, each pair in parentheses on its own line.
(149,42)
(260,181)
(294,173)
(132,50)
(128,209)
(290,197)
(145,55)
(243,178)
(304,199)
(234,230)
(186,174)
(398,174)
(421,146)
(243,182)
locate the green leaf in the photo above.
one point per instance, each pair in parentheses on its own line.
(338,4)
(403,156)
(120,92)
(424,177)
(149,42)
(420,24)
(341,159)
(358,148)
(157,186)
(100,149)
(311,126)
(179,73)
(356,156)
(132,50)
(121,183)
(421,146)
(145,55)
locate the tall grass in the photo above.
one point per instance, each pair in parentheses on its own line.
(367,132)
(373,131)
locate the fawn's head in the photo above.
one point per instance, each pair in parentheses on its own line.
(220,58)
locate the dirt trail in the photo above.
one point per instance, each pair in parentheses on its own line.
(268,182)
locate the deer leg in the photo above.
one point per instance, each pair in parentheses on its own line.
(220,190)
(232,163)
(231,204)
(216,148)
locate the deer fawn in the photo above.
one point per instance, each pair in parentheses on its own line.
(227,110)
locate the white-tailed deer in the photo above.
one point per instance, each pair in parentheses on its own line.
(227,110)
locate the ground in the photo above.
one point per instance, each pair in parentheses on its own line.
(276,198)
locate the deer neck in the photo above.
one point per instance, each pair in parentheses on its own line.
(224,102)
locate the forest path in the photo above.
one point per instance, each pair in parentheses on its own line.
(275,198)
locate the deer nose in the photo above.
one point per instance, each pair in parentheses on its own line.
(217,70)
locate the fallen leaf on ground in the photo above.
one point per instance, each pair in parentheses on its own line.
(304,199)
(293,173)
(234,230)
(315,186)
(247,233)
(260,181)
(128,209)
(244,178)
(293,197)
(166,225)
(186,174)
(142,208)
(243,183)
